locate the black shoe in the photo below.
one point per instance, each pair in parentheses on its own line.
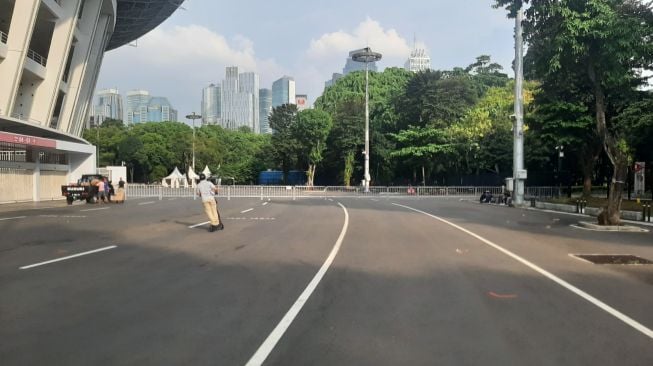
(220,227)
(212,228)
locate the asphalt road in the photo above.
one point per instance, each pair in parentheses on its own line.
(317,282)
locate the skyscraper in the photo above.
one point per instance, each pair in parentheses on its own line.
(248,82)
(418,61)
(143,108)
(238,101)
(211,104)
(265,109)
(283,91)
(108,105)
(136,99)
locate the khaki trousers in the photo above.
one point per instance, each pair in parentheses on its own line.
(211,209)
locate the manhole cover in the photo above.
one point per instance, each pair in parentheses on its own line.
(613,259)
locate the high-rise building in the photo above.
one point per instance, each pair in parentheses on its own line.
(302,101)
(265,109)
(211,105)
(418,61)
(283,91)
(137,101)
(108,105)
(240,100)
(248,82)
(50,57)
(142,108)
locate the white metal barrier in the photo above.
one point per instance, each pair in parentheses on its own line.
(295,192)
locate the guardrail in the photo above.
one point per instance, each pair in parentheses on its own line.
(37,58)
(295,192)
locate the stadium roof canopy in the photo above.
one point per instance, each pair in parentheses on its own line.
(137,17)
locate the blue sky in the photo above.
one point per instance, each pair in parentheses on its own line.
(305,39)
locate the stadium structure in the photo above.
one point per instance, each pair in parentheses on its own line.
(50,57)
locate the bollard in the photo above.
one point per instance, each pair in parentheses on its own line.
(577,206)
(646,212)
(584,206)
(532,202)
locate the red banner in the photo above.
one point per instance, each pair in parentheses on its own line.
(27,140)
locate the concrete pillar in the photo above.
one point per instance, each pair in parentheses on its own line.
(91,28)
(18,40)
(36,176)
(46,94)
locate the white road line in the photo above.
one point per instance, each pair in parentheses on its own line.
(265,203)
(271,341)
(171,199)
(94,209)
(598,303)
(69,257)
(200,224)
(248,210)
(146,203)
(13,218)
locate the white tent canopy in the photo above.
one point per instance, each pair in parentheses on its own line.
(192,176)
(206,171)
(175,178)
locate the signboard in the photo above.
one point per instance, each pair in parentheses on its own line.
(301,101)
(27,140)
(640,172)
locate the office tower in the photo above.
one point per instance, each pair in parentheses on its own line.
(302,102)
(265,109)
(248,82)
(108,105)
(211,105)
(240,100)
(142,108)
(137,101)
(283,91)
(418,61)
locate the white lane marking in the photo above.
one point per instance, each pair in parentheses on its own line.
(146,203)
(598,303)
(375,200)
(200,224)
(69,257)
(248,210)
(13,218)
(330,199)
(171,199)
(94,209)
(271,341)
(265,203)
(64,216)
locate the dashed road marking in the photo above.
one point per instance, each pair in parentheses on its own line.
(146,203)
(64,216)
(69,257)
(200,224)
(265,203)
(94,209)
(13,218)
(248,210)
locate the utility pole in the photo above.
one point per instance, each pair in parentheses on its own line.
(519,173)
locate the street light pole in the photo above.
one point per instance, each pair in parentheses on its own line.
(193,117)
(366,55)
(519,173)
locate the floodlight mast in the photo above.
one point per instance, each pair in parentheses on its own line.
(193,117)
(366,55)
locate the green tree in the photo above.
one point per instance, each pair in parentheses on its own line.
(284,144)
(311,131)
(603,42)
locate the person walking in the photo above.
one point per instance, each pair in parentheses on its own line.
(206,190)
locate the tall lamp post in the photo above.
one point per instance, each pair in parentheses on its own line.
(519,173)
(366,56)
(193,117)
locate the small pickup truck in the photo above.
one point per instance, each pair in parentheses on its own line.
(84,189)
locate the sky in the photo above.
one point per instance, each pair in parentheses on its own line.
(309,40)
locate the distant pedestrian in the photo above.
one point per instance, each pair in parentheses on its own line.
(107,189)
(206,190)
(101,190)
